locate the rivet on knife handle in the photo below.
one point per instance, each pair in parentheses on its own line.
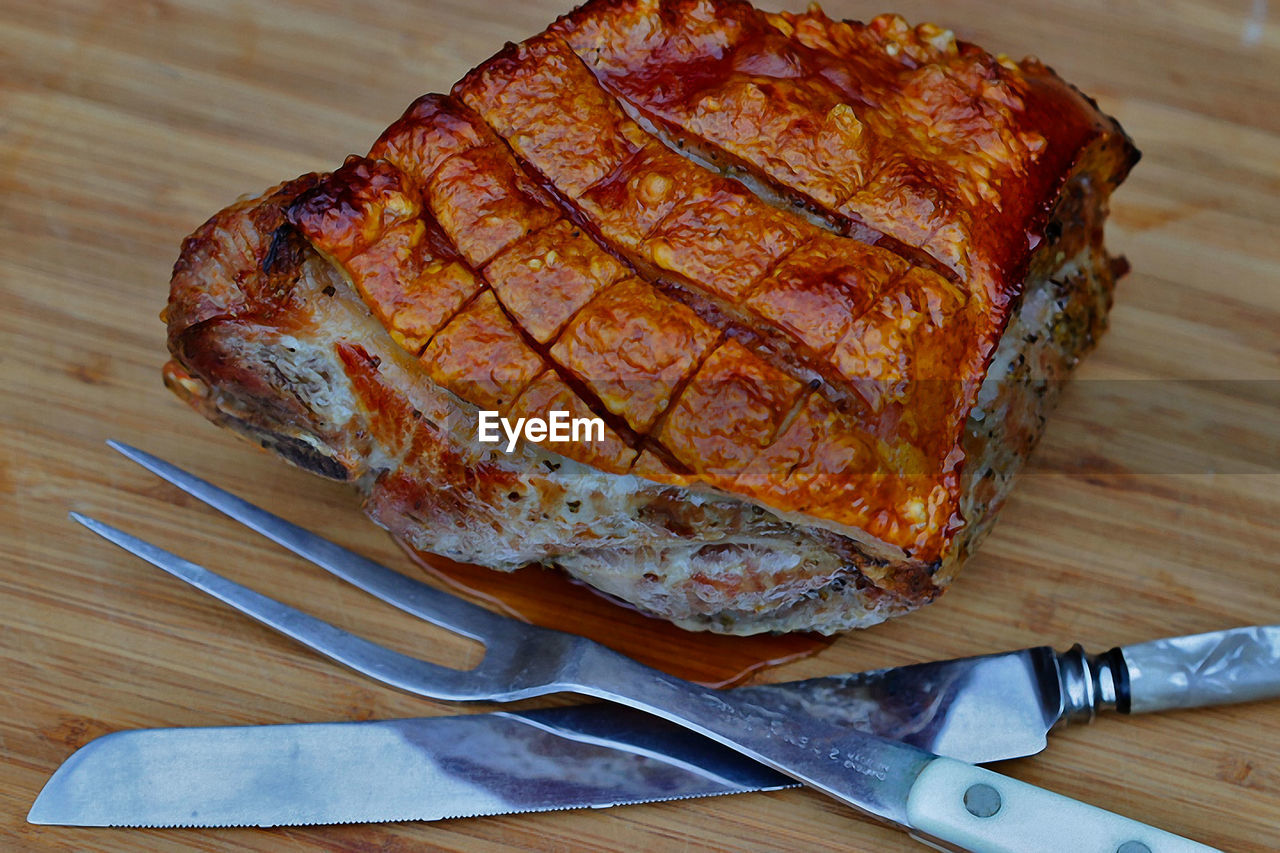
(1237,665)
(982,811)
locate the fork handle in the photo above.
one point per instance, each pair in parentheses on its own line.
(970,808)
(941,799)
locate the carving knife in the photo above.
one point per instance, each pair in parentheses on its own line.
(977,709)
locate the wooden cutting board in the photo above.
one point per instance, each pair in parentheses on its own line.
(1151,507)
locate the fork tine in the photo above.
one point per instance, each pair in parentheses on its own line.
(382,664)
(412,596)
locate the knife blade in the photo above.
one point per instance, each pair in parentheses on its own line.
(978,709)
(414,769)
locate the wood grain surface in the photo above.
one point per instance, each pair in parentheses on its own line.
(1151,508)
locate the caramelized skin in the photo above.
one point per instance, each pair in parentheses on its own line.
(484,204)
(732,409)
(933,142)
(903,343)
(549,393)
(368,218)
(635,348)
(207,284)
(481,356)
(538,242)
(547,279)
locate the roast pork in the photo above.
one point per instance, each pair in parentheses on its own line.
(814,283)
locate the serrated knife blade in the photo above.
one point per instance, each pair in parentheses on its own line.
(371,772)
(977,709)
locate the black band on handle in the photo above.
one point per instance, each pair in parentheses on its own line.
(1120,675)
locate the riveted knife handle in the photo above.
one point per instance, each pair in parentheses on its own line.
(1237,665)
(957,806)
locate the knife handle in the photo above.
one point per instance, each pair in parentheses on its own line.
(970,808)
(1237,665)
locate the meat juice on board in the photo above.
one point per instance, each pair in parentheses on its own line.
(550,599)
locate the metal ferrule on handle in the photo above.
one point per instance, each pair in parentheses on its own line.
(1218,668)
(1091,683)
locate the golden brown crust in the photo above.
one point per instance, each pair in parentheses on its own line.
(733,406)
(293,359)
(933,142)
(206,284)
(545,280)
(537,241)
(481,356)
(484,206)
(368,218)
(549,393)
(635,348)
(433,129)
(671,217)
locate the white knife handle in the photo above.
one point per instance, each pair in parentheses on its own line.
(978,810)
(1239,665)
